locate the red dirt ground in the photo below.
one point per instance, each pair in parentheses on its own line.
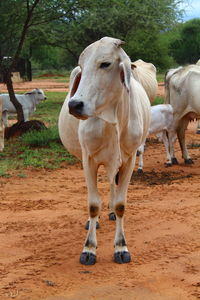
(42,232)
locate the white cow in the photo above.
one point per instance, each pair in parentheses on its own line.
(161,125)
(183,93)
(28,101)
(198,122)
(145,73)
(1,126)
(104,119)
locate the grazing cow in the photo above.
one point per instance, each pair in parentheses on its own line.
(161,125)
(28,101)
(145,73)
(104,119)
(182,92)
(1,126)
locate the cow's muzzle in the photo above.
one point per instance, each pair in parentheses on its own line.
(76,109)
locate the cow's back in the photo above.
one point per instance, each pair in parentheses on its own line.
(145,73)
(184,91)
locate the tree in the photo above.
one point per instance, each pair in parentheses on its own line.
(7,65)
(138,22)
(17,17)
(185,48)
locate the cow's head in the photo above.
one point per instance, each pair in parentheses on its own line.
(38,95)
(102,76)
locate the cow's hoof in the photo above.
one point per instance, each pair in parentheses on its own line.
(189,161)
(112,216)
(174,161)
(138,153)
(140,171)
(87,258)
(88,224)
(168,164)
(122,257)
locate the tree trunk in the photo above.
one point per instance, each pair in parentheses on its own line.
(13,99)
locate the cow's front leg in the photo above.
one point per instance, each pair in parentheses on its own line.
(88,255)
(122,254)
(112,216)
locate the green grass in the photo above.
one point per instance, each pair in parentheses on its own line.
(38,149)
(158,100)
(160,77)
(48,110)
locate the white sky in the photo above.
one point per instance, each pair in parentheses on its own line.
(192,10)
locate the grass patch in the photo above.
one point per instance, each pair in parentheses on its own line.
(38,149)
(158,100)
(160,77)
(42,138)
(48,110)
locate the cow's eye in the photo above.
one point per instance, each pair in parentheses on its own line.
(105,65)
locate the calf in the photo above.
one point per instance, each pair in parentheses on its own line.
(28,101)
(161,125)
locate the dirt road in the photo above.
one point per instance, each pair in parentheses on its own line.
(42,233)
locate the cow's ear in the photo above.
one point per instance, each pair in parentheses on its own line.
(75,78)
(29,93)
(125,69)
(125,74)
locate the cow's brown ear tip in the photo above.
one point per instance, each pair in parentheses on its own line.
(133,66)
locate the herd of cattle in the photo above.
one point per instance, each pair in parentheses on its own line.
(106,118)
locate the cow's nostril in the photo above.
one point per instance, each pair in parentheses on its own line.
(79,105)
(75,107)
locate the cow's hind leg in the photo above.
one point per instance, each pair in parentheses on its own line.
(181,137)
(122,254)
(88,255)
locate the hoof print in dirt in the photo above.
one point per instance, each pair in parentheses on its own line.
(87,258)
(112,216)
(189,161)
(122,257)
(88,224)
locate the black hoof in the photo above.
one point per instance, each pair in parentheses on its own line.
(140,171)
(174,161)
(88,223)
(122,257)
(112,216)
(168,164)
(189,161)
(87,258)
(138,153)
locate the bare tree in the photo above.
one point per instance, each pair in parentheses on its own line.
(6,68)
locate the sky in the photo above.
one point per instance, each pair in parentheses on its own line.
(192,10)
